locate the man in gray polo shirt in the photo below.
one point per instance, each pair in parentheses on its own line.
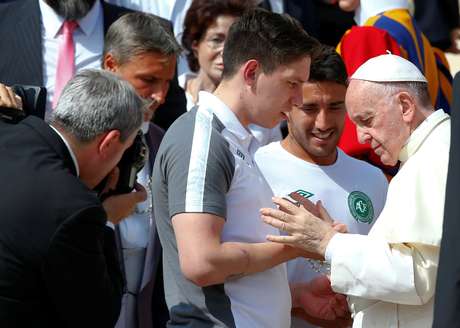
(219,270)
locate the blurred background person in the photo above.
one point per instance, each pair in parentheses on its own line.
(440,22)
(206,27)
(322,19)
(49,40)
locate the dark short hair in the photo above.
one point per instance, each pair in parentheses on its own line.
(271,39)
(201,15)
(137,33)
(328,66)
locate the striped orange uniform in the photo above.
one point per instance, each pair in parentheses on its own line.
(396,31)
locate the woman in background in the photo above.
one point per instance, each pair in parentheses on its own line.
(206,27)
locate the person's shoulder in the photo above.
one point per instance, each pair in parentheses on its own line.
(156,131)
(182,126)
(268,151)
(9,6)
(363,168)
(196,121)
(194,130)
(66,186)
(13,11)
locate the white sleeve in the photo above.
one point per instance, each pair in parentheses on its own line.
(371,268)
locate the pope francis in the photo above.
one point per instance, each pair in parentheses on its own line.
(390,274)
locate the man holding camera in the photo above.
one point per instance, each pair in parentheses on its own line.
(58,265)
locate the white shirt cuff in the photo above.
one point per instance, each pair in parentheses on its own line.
(337,242)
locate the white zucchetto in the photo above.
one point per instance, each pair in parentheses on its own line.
(388,68)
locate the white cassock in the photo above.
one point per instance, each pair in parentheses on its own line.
(390,274)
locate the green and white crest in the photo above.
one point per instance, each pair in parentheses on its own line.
(361,207)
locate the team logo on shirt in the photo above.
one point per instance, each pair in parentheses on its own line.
(303,193)
(361,207)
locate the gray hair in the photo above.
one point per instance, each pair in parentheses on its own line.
(419,90)
(97,101)
(136,33)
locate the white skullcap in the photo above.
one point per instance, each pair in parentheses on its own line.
(388,68)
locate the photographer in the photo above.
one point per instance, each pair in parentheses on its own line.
(58,264)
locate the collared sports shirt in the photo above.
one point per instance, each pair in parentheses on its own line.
(205,165)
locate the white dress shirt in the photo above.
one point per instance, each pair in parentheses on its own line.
(88,39)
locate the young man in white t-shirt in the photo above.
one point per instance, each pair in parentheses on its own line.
(308,163)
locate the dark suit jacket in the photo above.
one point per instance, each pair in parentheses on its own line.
(152,311)
(58,263)
(437,19)
(21,56)
(447,296)
(302,10)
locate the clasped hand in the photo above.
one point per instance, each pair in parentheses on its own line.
(121,206)
(317,303)
(309,226)
(8,98)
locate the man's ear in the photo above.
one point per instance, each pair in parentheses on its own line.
(110,63)
(250,71)
(407,106)
(108,143)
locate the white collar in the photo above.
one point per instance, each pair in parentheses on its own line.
(52,22)
(421,133)
(370,8)
(72,154)
(227,117)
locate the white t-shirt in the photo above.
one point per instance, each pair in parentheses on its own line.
(352,191)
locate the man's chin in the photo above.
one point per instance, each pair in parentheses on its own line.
(387,161)
(148,116)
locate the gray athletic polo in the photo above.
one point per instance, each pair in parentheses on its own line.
(205,164)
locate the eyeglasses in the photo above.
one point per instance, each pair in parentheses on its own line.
(215,42)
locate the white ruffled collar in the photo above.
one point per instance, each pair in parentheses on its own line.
(370,8)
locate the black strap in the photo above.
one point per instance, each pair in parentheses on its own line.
(120,258)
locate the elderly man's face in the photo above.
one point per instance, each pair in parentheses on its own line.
(378,118)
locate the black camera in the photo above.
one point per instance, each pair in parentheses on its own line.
(132,161)
(33,103)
